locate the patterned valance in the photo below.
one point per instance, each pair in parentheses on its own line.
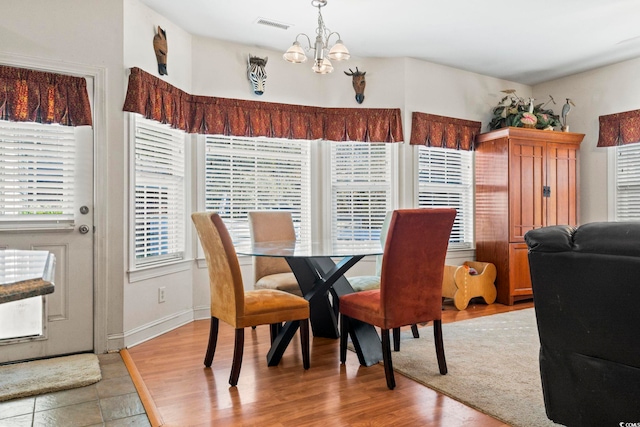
(619,129)
(443,132)
(156,99)
(37,96)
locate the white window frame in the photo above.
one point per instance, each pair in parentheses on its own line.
(294,157)
(388,184)
(153,266)
(462,171)
(625,182)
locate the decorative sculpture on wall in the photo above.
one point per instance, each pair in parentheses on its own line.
(257,74)
(160,47)
(359,83)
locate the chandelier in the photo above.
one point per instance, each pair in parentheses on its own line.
(322,51)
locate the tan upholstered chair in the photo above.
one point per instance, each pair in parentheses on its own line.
(231,304)
(272,272)
(410,282)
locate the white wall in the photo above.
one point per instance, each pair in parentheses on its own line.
(219,69)
(117,35)
(144,316)
(607,90)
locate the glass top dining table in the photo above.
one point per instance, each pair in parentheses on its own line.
(320,277)
(296,249)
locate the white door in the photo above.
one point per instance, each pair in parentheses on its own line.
(68,312)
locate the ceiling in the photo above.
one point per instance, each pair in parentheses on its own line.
(525,42)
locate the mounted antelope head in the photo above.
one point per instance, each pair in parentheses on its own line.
(160,47)
(257,74)
(359,83)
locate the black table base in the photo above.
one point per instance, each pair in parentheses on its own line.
(320,277)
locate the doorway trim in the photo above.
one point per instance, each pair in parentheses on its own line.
(100,273)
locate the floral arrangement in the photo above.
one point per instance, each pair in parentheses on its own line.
(515,111)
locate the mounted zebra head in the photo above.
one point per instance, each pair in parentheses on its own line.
(256,73)
(359,83)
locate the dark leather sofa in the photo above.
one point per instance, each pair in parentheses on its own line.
(586,291)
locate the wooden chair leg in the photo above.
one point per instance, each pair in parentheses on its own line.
(238,349)
(414,331)
(213,340)
(437,334)
(344,334)
(396,339)
(304,342)
(386,358)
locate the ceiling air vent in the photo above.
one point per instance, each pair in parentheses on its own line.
(272,23)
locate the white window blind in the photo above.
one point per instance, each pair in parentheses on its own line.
(37,164)
(361,191)
(445,180)
(246,174)
(628,182)
(159,193)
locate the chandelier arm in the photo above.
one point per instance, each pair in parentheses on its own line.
(308,48)
(330,34)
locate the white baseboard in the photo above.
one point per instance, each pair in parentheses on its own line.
(158,327)
(202,312)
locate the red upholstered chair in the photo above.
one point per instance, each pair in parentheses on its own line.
(366,283)
(237,307)
(410,282)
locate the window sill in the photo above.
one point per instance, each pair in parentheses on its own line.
(150,272)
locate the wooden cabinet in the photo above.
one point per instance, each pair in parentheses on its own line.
(525,179)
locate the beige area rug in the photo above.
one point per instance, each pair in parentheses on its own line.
(48,375)
(492,362)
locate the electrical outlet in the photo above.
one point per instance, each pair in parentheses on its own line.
(161,294)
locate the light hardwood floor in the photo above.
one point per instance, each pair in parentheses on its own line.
(185,393)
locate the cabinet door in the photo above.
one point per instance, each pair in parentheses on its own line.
(526,181)
(562,203)
(519,275)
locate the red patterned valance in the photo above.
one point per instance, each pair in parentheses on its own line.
(37,96)
(619,129)
(443,132)
(156,99)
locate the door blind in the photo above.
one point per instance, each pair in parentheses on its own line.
(37,164)
(361,191)
(159,193)
(445,180)
(247,174)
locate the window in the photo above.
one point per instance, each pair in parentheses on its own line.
(38,165)
(627,179)
(245,174)
(361,190)
(445,180)
(159,193)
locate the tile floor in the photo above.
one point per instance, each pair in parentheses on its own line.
(111,402)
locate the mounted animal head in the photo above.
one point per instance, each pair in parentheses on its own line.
(256,73)
(160,47)
(359,83)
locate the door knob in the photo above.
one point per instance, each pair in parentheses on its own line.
(84,229)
